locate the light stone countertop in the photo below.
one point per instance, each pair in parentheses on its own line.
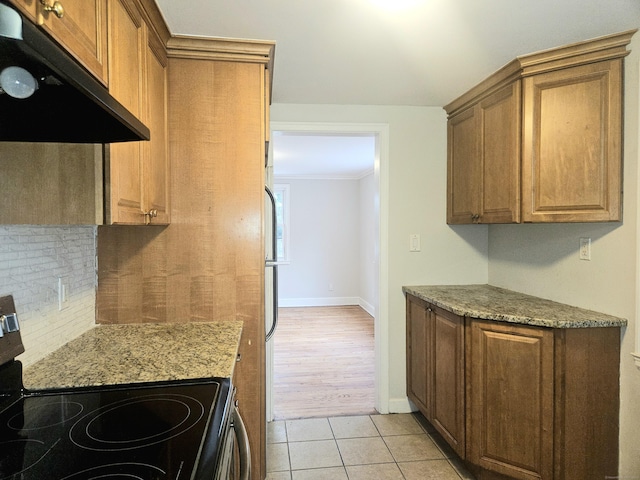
(134,353)
(493,303)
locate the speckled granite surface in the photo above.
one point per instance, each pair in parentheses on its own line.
(493,303)
(112,354)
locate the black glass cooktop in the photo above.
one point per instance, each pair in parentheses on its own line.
(145,431)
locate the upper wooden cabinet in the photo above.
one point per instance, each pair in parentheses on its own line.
(80,26)
(156,171)
(137,172)
(540,140)
(124,183)
(572,138)
(127,48)
(483,166)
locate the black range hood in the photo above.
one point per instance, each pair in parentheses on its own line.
(69,105)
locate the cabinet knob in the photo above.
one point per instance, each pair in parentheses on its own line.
(153,213)
(56,8)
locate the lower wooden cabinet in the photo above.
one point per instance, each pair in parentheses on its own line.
(517,401)
(435,368)
(510,408)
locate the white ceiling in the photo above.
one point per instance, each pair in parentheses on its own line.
(396,52)
(304,155)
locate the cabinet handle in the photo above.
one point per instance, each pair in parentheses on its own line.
(153,213)
(56,8)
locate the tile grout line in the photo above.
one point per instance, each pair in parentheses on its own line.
(332,430)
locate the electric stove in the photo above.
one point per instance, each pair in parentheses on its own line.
(167,430)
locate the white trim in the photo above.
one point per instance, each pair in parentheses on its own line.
(381,182)
(367,307)
(317,302)
(636,355)
(326,302)
(400,405)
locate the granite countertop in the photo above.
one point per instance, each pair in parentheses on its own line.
(493,303)
(133,353)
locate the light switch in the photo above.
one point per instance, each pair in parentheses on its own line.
(414,242)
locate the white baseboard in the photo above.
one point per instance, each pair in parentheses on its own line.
(400,405)
(318,302)
(327,302)
(367,307)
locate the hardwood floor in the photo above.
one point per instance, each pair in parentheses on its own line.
(324,363)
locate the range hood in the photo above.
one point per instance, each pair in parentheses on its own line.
(68,104)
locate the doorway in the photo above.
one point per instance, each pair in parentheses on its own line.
(377,306)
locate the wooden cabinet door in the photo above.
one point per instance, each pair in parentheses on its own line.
(419,358)
(81,27)
(500,155)
(28,7)
(448,407)
(435,368)
(127,47)
(510,399)
(572,144)
(463,168)
(156,172)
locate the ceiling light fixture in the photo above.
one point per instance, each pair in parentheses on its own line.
(17,82)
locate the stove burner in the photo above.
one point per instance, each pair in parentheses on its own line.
(19,455)
(135,423)
(167,430)
(37,416)
(117,471)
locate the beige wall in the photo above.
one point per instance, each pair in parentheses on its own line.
(543,260)
(415,202)
(536,259)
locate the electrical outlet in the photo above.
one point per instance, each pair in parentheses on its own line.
(414,242)
(585,249)
(63,292)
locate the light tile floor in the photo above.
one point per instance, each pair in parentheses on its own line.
(367,447)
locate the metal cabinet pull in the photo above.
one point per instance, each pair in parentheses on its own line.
(153,213)
(56,8)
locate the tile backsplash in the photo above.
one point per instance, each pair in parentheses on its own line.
(32,258)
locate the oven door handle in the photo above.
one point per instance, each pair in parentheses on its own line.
(243,445)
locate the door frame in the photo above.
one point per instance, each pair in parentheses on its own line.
(381,303)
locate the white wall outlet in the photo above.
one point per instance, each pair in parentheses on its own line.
(585,249)
(331,287)
(414,242)
(63,292)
